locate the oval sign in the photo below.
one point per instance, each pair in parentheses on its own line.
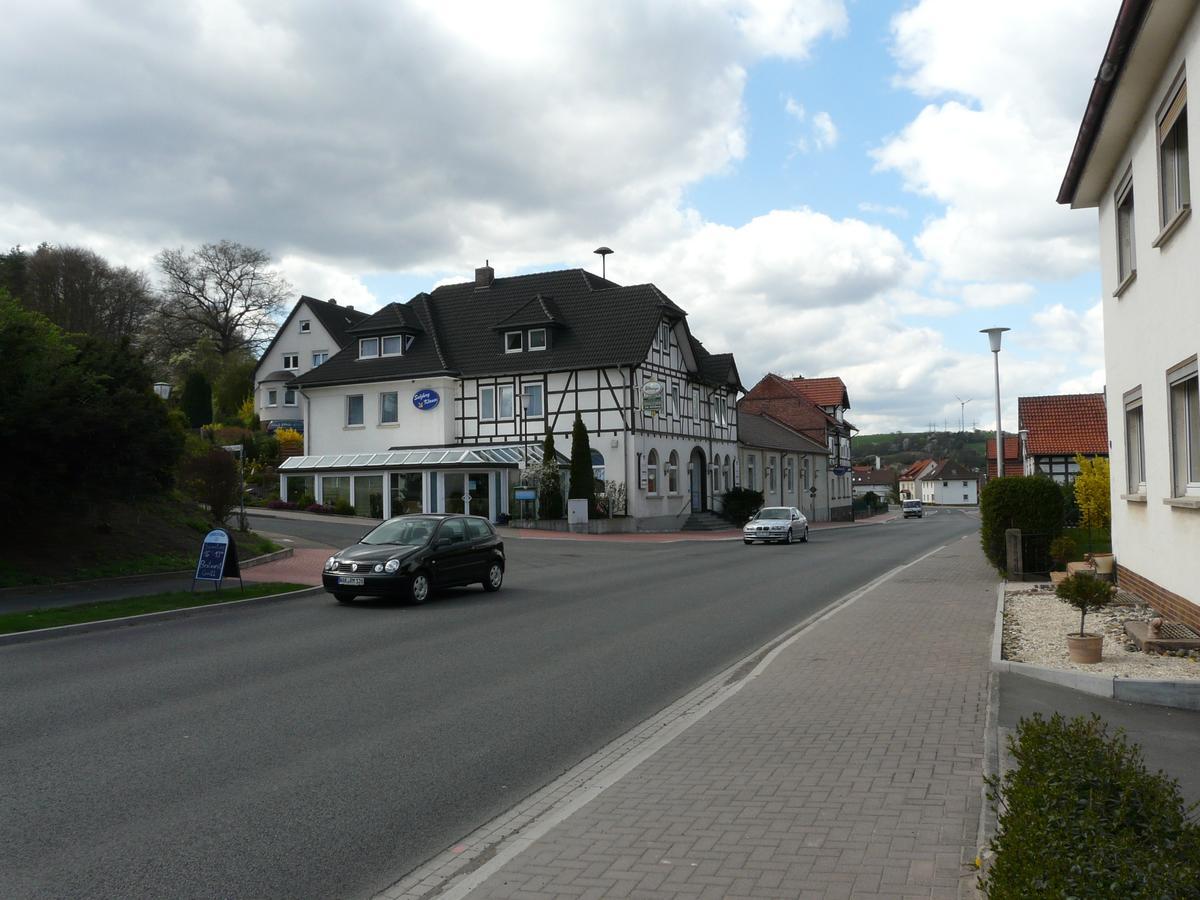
(426,399)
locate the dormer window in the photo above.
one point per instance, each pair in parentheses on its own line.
(537,339)
(512,342)
(368,348)
(305,326)
(393,345)
(374,347)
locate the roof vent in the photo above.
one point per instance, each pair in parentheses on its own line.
(350,307)
(332,302)
(484,276)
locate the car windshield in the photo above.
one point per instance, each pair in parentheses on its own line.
(405,530)
(777,512)
(911,504)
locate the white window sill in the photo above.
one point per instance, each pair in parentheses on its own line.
(1182,502)
(389,424)
(353,427)
(1134,498)
(1125,283)
(1171,227)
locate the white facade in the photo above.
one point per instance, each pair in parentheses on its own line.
(1150,273)
(786,479)
(953,490)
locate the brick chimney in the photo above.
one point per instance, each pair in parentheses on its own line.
(484,276)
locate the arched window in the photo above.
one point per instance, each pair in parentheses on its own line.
(750,472)
(728,479)
(652,472)
(673,473)
(598,465)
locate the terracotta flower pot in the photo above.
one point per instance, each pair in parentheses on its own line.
(1085,648)
(1103,563)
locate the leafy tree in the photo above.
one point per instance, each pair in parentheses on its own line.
(211,477)
(234,384)
(225,291)
(197,400)
(1091,493)
(83,408)
(583,485)
(80,291)
(550,498)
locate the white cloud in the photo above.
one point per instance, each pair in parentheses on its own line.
(989,296)
(325,281)
(1017,96)
(822,133)
(825,133)
(882,209)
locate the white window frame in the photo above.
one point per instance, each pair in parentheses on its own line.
(1185,474)
(305,326)
(541,395)
(362,348)
(508,343)
(294,359)
(385,421)
(674,401)
(273,397)
(290,392)
(362,412)
(506,393)
(1135,453)
(324,354)
(544,343)
(664,338)
(489,392)
(1126,241)
(652,473)
(398,338)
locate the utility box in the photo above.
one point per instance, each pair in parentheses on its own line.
(577,515)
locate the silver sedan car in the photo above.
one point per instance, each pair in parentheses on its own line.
(776,523)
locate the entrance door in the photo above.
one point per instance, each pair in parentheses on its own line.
(479,489)
(697,480)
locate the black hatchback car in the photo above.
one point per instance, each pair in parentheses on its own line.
(408,556)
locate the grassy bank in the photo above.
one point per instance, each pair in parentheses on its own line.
(11,623)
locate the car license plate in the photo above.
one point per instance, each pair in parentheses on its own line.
(352,580)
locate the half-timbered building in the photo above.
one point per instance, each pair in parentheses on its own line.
(439,403)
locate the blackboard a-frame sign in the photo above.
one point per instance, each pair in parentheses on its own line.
(218,559)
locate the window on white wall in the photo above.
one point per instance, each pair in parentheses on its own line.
(272,398)
(1173,155)
(664,338)
(354,410)
(1185,430)
(291,361)
(507,393)
(289,397)
(1126,261)
(1135,443)
(537,406)
(771,473)
(305,326)
(389,408)
(673,473)
(750,473)
(319,356)
(487,403)
(652,472)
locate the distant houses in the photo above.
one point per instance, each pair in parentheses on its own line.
(1054,430)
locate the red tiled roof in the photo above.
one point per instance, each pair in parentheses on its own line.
(780,399)
(1064,424)
(1012,457)
(824,391)
(915,469)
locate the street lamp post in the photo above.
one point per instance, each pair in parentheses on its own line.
(994,335)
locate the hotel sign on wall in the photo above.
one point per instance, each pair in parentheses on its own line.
(652,398)
(426,399)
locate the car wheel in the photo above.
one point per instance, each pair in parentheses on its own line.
(343,597)
(804,537)
(747,541)
(495,577)
(788,538)
(419,587)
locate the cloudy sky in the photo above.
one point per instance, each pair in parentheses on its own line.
(828,187)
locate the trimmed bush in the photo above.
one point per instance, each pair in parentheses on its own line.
(739,504)
(317,508)
(1086,593)
(1030,503)
(583,478)
(343,508)
(1080,816)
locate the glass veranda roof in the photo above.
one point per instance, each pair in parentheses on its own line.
(503,455)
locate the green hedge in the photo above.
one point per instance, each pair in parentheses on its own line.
(1080,816)
(738,504)
(1031,503)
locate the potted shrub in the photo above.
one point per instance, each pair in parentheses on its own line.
(1085,594)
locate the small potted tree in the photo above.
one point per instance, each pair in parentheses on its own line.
(1085,594)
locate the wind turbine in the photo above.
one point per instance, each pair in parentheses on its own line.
(962,411)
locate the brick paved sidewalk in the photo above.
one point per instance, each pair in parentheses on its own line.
(851,766)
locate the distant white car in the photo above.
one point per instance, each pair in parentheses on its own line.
(776,523)
(913,509)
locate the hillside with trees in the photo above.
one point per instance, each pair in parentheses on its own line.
(902,448)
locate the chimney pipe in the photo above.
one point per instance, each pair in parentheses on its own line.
(484,276)
(350,307)
(332,302)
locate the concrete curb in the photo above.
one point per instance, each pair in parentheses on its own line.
(135,579)
(60,631)
(1174,694)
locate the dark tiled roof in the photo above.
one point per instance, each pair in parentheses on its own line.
(1064,424)
(537,311)
(875,476)
(395,317)
(278,375)
(766,432)
(948,468)
(335,319)
(602,324)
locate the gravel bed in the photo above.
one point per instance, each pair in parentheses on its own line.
(1036,623)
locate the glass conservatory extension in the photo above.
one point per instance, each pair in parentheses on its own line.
(477,480)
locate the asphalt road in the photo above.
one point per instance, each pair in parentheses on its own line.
(309,749)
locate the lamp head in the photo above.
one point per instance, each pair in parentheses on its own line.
(994,336)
